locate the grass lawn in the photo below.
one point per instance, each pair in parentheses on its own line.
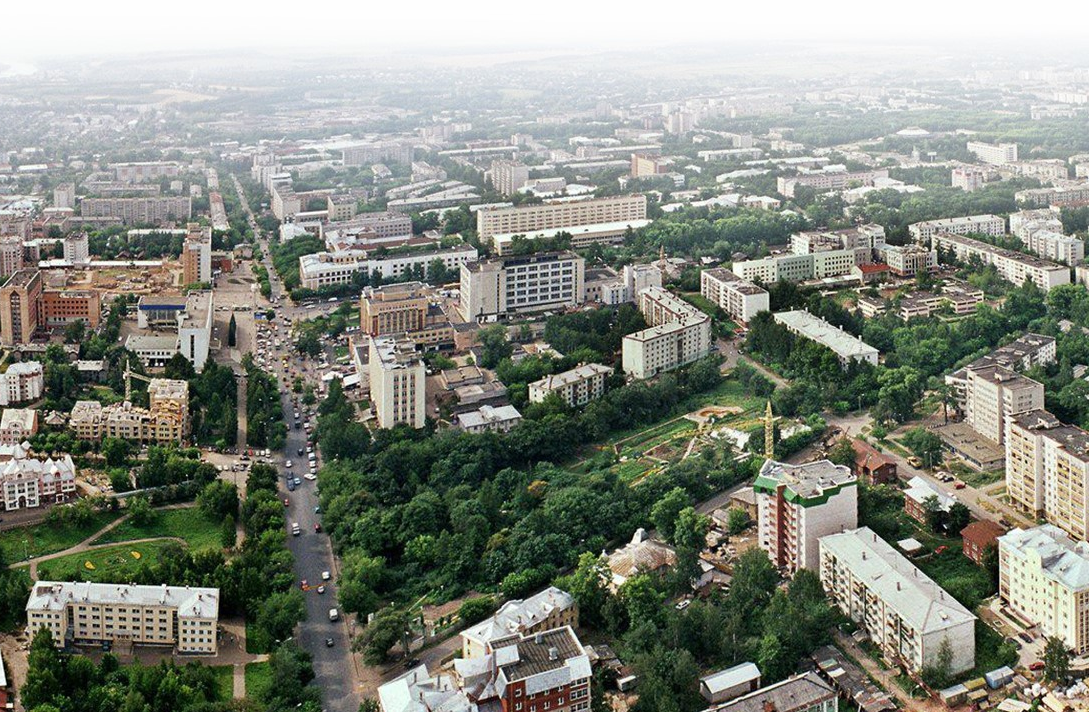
(258,679)
(224,682)
(632,470)
(895,447)
(44,539)
(113,564)
(976,478)
(189,524)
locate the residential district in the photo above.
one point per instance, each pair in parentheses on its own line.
(766,399)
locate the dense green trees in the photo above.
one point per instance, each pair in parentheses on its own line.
(265,425)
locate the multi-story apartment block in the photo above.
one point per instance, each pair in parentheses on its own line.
(1012,266)
(137,172)
(579,236)
(968,178)
(327,269)
(166,420)
(994,394)
(20,302)
(393,308)
(489,419)
(995,154)
(64,195)
(1043,576)
(679,334)
(740,299)
(846,346)
(364,154)
(492,289)
(77,248)
(828,179)
(138,211)
(806,692)
(797,505)
(27,482)
(1041,231)
(196,256)
(960,300)
(22,382)
(551,608)
(561,213)
(923,232)
(865,236)
(343,207)
(379,227)
(1066,194)
(1047,470)
(908,260)
(1025,352)
(397,375)
(17,425)
(576,387)
(646,165)
(507,177)
(182,617)
(11,255)
(285,203)
(908,616)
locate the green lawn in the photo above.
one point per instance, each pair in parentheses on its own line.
(975,478)
(113,564)
(258,679)
(42,539)
(224,682)
(632,470)
(189,524)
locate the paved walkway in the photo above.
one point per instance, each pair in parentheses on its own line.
(884,677)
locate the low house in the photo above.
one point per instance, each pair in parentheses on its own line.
(916,494)
(871,466)
(801,693)
(978,536)
(641,555)
(732,682)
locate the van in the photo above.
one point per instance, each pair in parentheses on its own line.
(333,614)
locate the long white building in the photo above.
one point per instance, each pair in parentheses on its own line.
(995,154)
(326,269)
(575,387)
(1042,233)
(740,299)
(679,334)
(845,346)
(1014,267)
(924,232)
(492,289)
(560,213)
(1043,576)
(23,381)
(908,616)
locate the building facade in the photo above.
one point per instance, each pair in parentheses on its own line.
(397,376)
(740,299)
(138,211)
(923,232)
(196,256)
(20,302)
(994,394)
(560,214)
(27,482)
(495,288)
(679,334)
(575,387)
(994,154)
(845,346)
(24,381)
(1012,266)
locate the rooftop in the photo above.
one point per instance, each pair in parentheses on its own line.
(919,490)
(21,278)
(488,414)
(139,342)
(1061,559)
(162,301)
(573,230)
(1072,438)
(191,602)
(807,481)
(965,220)
(912,594)
(731,677)
(672,327)
(521,658)
(734,282)
(1030,260)
(507,262)
(812,327)
(394,351)
(579,373)
(1005,377)
(517,615)
(18,417)
(795,694)
(198,311)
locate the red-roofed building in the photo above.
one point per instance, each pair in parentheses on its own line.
(877,272)
(978,536)
(871,466)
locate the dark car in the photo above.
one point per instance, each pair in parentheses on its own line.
(329,642)
(301,452)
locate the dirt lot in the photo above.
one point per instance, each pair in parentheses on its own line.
(14,649)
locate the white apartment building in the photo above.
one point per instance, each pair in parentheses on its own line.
(994,394)
(995,154)
(663,348)
(23,381)
(182,617)
(500,419)
(76,249)
(507,177)
(492,289)
(581,236)
(906,614)
(576,387)
(923,232)
(547,610)
(1042,233)
(908,260)
(1047,470)
(397,376)
(797,505)
(1043,576)
(1068,193)
(324,269)
(1014,267)
(846,346)
(1026,351)
(968,178)
(560,213)
(830,178)
(740,299)
(800,268)
(27,482)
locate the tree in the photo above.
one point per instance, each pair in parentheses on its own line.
(473,610)
(926,445)
(218,499)
(279,612)
(843,453)
(228,532)
(75,332)
(934,514)
(1056,660)
(232,332)
(738,520)
(957,519)
(369,705)
(494,345)
(115,450)
(388,627)
(587,584)
(665,511)
(139,510)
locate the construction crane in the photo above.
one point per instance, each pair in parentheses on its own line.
(129,373)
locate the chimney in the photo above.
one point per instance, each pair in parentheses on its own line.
(538,638)
(553,654)
(897,585)
(769,706)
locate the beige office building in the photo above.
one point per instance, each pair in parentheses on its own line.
(1043,576)
(994,393)
(1047,470)
(508,177)
(393,309)
(396,374)
(740,299)
(196,256)
(679,334)
(564,212)
(492,289)
(181,617)
(576,387)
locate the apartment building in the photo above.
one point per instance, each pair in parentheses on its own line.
(576,387)
(397,375)
(11,255)
(138,211)
(908,260)
(994,154)
(328,269)
(646,165)
(1014,267)
(180,617)
(551,608)
(1066,194)
(196,255)
(507,177)
(28,482)
(1026,351)
(164,421)
(679,334)
(740,299)
(284,202)
(17,425)
(384,226)
(906,615)
(64,195)
(1047,470)
(797,505)
(489,419)
(831,178)
(560,213)
(76,248)
(845,346)
(492,289)
(1043,576)
(923,232)
(140,171)
(968,178)
(364,154)
(22,382)
(806,692)
(995,393)
(579,236)
(1042,233)
(20,302)
(343,207)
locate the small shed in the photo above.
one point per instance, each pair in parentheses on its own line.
(910,546)
(999,678)
(954,696)
(732,682)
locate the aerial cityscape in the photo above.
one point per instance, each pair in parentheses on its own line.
(632,376)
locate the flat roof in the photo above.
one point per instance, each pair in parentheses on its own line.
(1030,260)
(142,342)
(1061,559)
(191,602)
(574,230)
(817,329)
(807,480)
(162,301)
(579,373)
(730,677)
(1072,438)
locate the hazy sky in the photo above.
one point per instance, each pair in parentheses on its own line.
(76,27)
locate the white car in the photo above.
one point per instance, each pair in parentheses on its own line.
(310,476)
(287,463)
(325,576)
